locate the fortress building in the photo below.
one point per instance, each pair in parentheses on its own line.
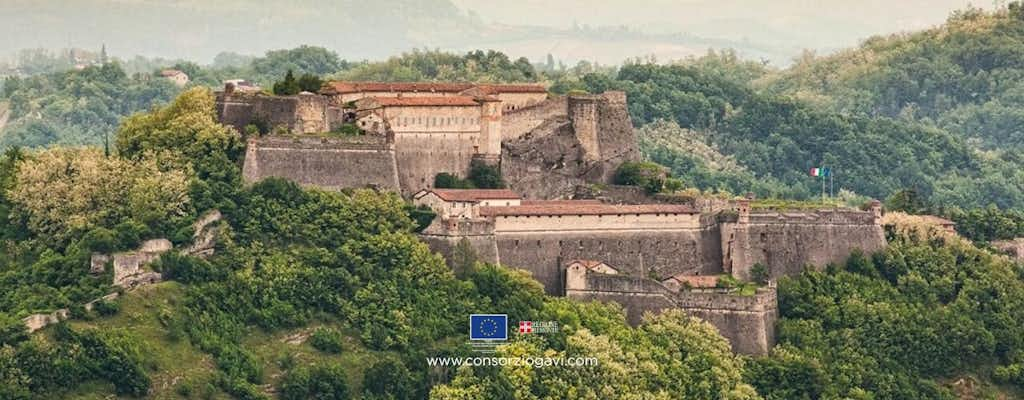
(544,145)
(646,257)
(649,257)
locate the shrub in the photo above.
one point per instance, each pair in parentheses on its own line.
(422,215)
(650,176)
(12,330)
(445,180)
(322,382)
(759,273)
(100,240)
(389,379)
(327,340)
(106,308)
(187,269)
(485,176)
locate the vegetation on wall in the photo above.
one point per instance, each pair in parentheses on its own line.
(929,309)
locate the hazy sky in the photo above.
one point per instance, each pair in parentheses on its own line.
(199,29)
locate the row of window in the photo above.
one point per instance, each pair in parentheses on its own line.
(436,121)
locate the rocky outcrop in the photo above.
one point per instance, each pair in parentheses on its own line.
(128,270)
(566,151)
(1013,248)
(204,237)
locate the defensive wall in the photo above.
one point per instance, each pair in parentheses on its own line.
(302,113)
(787,242)
(659,246)
(326,162)
(518,122)
(747,321)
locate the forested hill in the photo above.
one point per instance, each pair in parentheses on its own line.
(966,76)
(938,112)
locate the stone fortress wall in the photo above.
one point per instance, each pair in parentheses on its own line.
(554,144)
(326,162)
(786,242)
(747,321)
(654,246)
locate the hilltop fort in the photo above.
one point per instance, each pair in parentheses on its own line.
(545,145)
(646,256)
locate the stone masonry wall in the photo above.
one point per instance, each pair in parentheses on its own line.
(304,113)
(516,123)
(648,254)
(787,242)
(420,157)
(748,322)
(330,163)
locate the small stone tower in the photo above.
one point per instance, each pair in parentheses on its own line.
(876,211)
(740,258)
(583,114)
(489,148)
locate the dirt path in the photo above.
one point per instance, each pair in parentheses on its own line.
(4,114)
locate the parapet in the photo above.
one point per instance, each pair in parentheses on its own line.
(747,321)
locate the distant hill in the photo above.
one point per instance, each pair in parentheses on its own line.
(966,76)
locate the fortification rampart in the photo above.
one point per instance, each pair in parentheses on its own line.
(327,162)
(521,121)
(748,322)
(785,243)
(303,113)
(420,157)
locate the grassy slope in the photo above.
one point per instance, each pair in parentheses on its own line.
(176,362)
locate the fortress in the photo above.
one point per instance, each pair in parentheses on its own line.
(546,146)
(646,256)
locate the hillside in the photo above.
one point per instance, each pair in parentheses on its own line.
(937,112)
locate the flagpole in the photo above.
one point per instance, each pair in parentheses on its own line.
(831,184)
(822,184)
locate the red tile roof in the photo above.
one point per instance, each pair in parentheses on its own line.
(340,87)
(472,195)
(513,88)
(461,101)
(585,208)
(558,202)
(170,72)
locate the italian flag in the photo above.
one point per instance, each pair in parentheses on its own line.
(815,171)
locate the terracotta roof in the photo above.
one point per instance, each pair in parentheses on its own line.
(472,195)
(585,208)
(696,281)
(513,88)
(423,101)
(937,220)
(340,87)
(170,72)
(558,202)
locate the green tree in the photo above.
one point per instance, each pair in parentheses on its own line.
(321,382)
(485,176)
(289,86)
(390,379)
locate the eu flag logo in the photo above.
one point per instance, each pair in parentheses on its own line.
(488,327)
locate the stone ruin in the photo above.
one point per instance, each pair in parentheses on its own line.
(129,267)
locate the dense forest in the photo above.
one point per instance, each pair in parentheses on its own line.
(318,294)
